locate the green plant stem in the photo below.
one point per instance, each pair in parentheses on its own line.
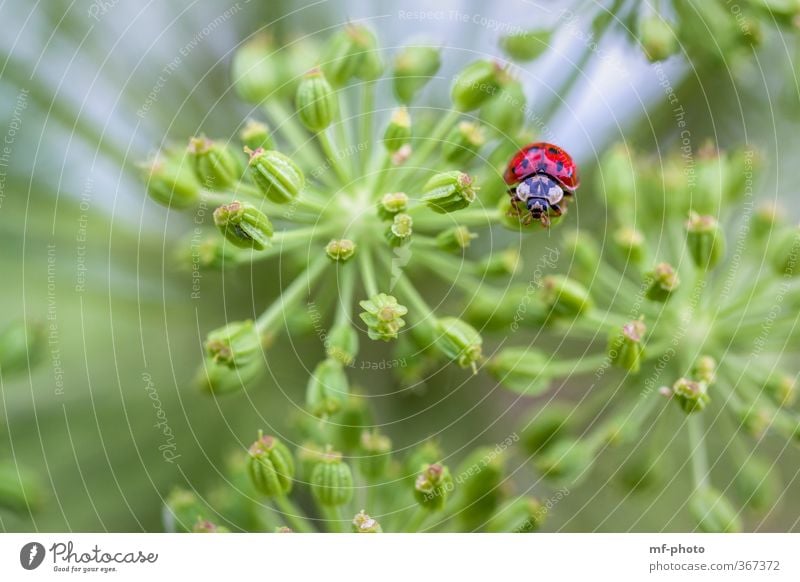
(584,365)
(416,521)
(333,518)
(254,193)
(367,270)
(294,515)
(333,158)
(292,293)
(486,217)
(423,311)
(345,295)
(367,113)
(698,451)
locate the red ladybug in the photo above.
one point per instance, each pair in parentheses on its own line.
(543,178)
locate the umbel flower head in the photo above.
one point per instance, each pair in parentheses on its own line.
(374,206)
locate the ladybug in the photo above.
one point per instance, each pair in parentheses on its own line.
(543,178)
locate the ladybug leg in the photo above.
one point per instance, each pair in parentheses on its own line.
(556,210)
(545,220)
(514,210)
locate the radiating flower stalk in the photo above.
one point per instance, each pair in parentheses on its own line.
(668,313)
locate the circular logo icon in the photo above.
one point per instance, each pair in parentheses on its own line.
(31,555)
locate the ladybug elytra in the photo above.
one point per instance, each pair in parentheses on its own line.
(543,178)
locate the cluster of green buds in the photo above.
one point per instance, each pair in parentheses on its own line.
(365,486)
(699,328)
(372,199)
(662,29)
(382,204)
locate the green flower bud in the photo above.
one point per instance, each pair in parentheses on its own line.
(641,473)
(782,388)
(332,481)
(476,84)
(522,370)
(463,142)
(341,249)
(383,316)
(182,509)
(432,487)
(713,513)
(583,250)
(414,66)
(215,165)
(630,244)
(234,345)
(363,523)
(218,378)
(276,175)
(545,426)
(327,388)
(171,182)
(22,346)
(455,240)
(427,453)
(316,103)
(705,240)
(256,73)
(342,343)
(401,229)
(244,225)
(481,486)
(657,37)
(255,135)
(526,45)
(520,515)
(705,369)
(786,254)
(398,132)
(625,348)
(449,191)
(271,467)
(690,395)
(766,217)
(351,422)
(352,52)
(616,181)
(459,341)
(565,297)
(20,491)
(567,460)
(505,112)
(662,282)
(392,204)
(504,263)
(376,449)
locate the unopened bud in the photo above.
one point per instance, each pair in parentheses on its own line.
(316,103)
(327,389)
(244,225)
(414,66)
(376,454)
(449,191)
(215,165)
(342,249)
(526,45)
(398,132)
(401,229)
(523,370)
(713,512)
(705,240)
(662,282)
(476,84)
(271,467)
(625,346)
(565,297)
(255,135)
(383,316)
(691,395)
(657,37)
(363,523)
(455,240)
(630,243)
(459,341)
(433,486)
(332,481)
(463,142)
(276,175)
(392,204)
